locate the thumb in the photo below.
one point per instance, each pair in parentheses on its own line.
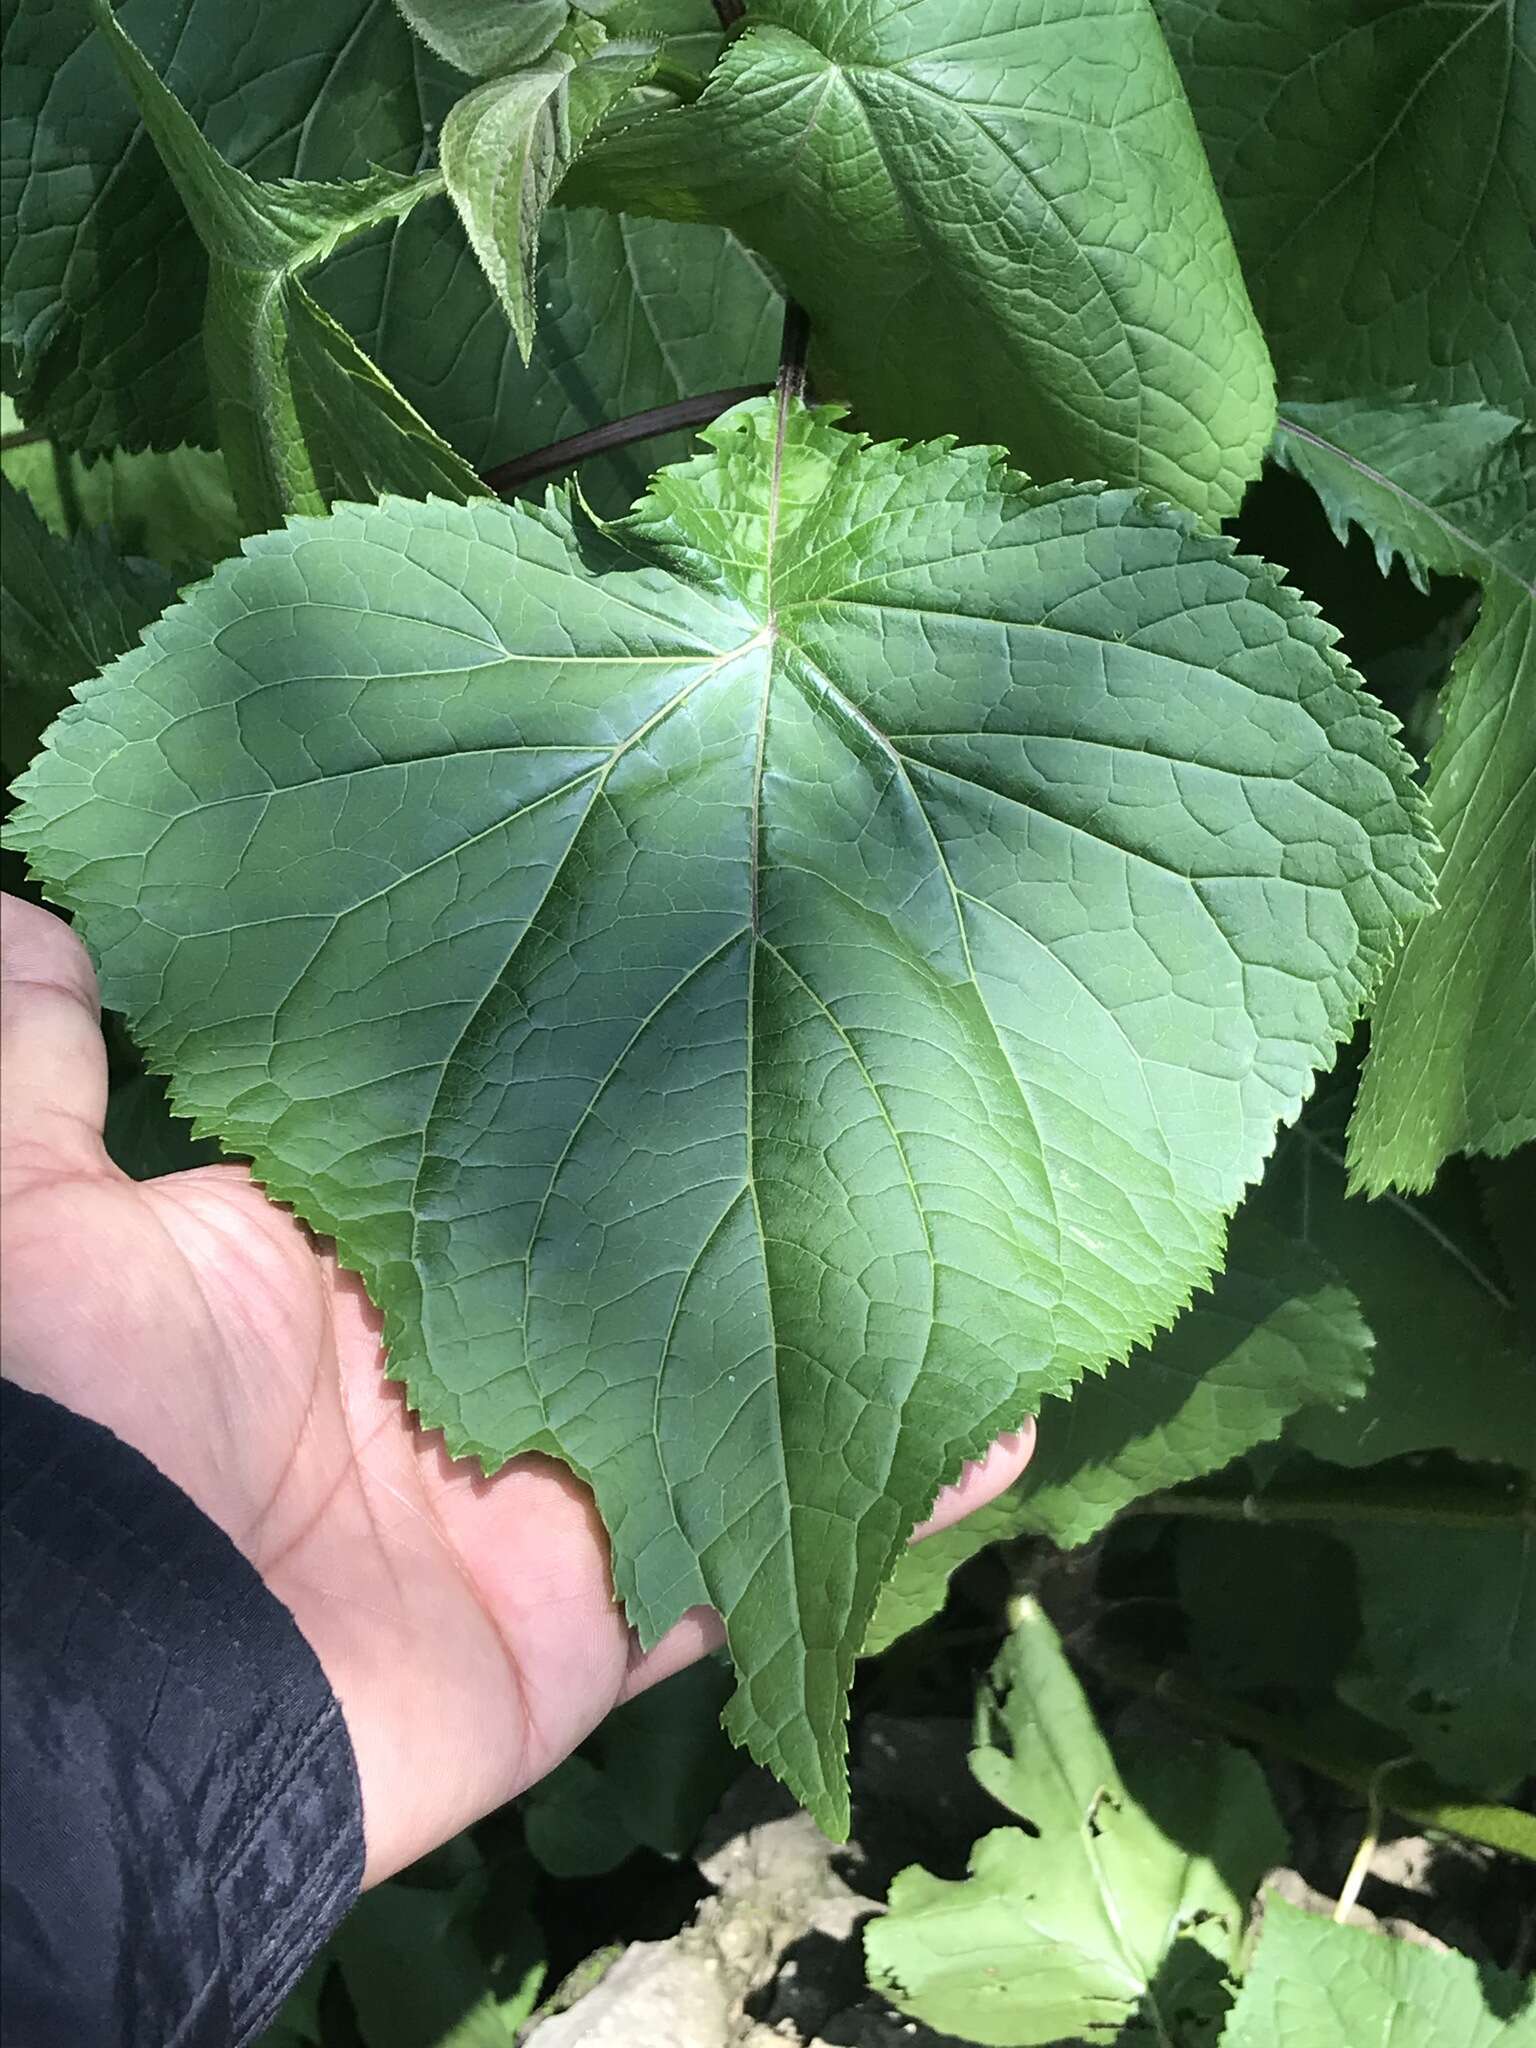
(53,1063)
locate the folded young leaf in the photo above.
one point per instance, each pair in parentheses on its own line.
(765,990)
(1452,1066)
(486,41)
(1377,161)
(506,146)
(285,376)
(1314,1984)
(1000,220)
(67,608)
(1124,1905)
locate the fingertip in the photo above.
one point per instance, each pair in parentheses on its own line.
(982,1480)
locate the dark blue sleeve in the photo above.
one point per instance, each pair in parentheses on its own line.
(182,1825)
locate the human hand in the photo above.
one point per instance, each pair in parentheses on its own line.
(467,1625)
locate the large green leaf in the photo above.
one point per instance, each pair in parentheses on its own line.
(764,991)
(105,281)
(1377,161)
(1123,1906)
(1451,1369)
(1314,1984)
(999,219)
(649,1777)
(303,415)
(419,1976)
(67,608)
(1453,1049)
(1447,1654)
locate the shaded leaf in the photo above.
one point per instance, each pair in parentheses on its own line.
(105,281)
(67,608)
(999,220)
(1447,1654)
(173,507)
(1453,1054)
(919,1586)
(303,415)
(419,1976)
(649,1778)
(1452,1368)
(1279,1331)
(837,944)
(1267,1606)
(1123,1904)
(144,1137)
(1377,161)
(1315,1984)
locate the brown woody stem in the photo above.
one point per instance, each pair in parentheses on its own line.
(636,426)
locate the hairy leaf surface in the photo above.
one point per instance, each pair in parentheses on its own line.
(1453,1037)
(506,146)
(765,990)
(1377,162)
(999,219)
(1314,1984)
(1124,1904)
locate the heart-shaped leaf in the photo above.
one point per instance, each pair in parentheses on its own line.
(764,991)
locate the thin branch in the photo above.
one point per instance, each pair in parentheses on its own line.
(1405,1788)
(1422,1505)
(23,437)
(506,477)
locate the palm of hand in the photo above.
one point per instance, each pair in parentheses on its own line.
(467,1625)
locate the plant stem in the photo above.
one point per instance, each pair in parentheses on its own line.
(24,437)
(793,347)
(64,483)
(729,12)
(1406,1788)
(677,78)
(636,426)
(1443,1506)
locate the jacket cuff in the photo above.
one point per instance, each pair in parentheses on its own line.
(184,1823)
